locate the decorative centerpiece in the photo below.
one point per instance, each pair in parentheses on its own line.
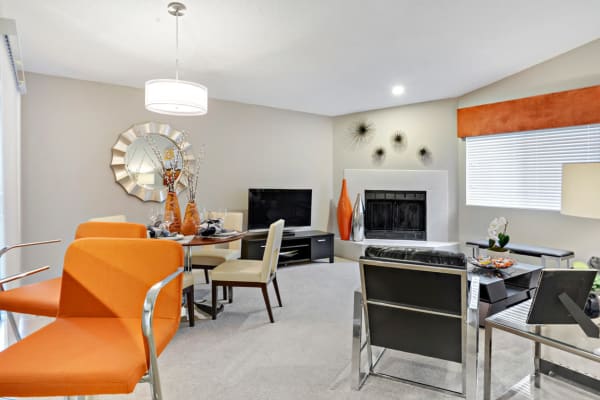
(191,219)
(169,168)
(497,238)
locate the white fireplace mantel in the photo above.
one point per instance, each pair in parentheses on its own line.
(434,182)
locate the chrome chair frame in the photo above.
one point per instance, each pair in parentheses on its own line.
(6,249)
(469,329)
(152,376)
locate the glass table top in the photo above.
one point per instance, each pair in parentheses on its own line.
(569,336)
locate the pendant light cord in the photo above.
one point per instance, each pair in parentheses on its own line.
(177,46)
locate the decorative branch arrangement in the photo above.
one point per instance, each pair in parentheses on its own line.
(168,164)
(192,171)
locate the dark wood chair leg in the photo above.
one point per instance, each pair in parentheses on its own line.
(224,292)
(276,286)
(206,275)
(230,294)
(214,300)
(267,302)
(189,302)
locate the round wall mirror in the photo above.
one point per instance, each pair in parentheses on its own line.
(136,159)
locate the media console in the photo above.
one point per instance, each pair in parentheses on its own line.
(302,246)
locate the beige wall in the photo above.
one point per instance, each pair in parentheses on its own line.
(575,69)
(431,124)
(69,127)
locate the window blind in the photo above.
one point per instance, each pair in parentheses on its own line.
(523,169)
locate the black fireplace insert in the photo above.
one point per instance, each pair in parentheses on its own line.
(396,214)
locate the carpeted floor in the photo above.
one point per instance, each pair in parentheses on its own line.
(305,354)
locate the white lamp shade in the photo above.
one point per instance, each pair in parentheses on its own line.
(175,97)
(581,190)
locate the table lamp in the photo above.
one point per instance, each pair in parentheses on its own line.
(580,196)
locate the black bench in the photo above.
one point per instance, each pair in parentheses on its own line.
(545,253)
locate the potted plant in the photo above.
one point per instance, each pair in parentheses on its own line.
(498,238)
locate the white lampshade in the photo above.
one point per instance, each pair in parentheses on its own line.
(581,190)
(175,97)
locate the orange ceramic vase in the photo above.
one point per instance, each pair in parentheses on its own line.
(172,204)
(344,213)
(191,219)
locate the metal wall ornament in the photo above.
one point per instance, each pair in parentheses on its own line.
(362,131)
(379,155)
(399,140)
(424,155)
(358,220)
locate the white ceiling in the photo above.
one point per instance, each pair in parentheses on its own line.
(327,57)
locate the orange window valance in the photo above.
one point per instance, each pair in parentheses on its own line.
(553,110)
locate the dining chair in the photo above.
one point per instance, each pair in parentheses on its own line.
(119,308)
(209,257)
(41,298)
(110,218)
(253,273)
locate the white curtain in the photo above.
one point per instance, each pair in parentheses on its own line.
(10,165)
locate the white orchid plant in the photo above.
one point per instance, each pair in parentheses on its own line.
(498,239)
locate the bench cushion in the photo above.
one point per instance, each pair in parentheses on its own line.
(526,250)
(426,257)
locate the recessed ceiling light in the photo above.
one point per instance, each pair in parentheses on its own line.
(398,90)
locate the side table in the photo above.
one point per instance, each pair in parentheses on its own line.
(503,288)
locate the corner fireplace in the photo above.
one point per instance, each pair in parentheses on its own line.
(396,214)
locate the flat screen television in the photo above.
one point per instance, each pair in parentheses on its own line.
(266,206)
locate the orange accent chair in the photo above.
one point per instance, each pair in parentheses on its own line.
(41,298)
(113,321)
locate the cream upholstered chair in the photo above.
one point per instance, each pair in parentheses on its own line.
(110,218)
(255,273)
(208,257)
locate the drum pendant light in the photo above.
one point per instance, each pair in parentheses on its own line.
(174,96)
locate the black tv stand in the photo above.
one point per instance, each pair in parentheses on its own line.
(300,246)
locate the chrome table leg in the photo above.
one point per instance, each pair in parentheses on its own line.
(487,364)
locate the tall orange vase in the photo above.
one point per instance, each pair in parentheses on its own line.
(344,213)
(172,204)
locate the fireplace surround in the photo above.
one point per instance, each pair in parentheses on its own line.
(434,182)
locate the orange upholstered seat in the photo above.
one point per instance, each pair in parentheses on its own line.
(96,344)
(110,229)
(42,298)
(37,298)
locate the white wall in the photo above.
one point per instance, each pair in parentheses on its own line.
(575,69)
(431,124)
(69,127)
(10,148)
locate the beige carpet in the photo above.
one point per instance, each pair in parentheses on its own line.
(305,354)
